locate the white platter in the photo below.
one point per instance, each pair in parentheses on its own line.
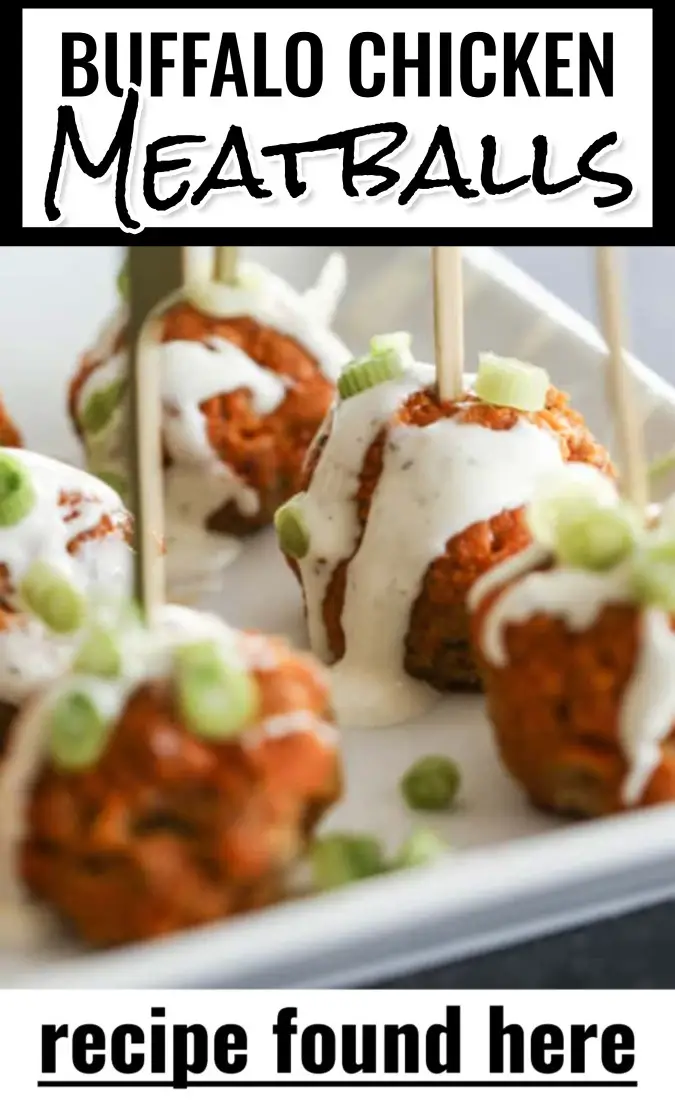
(513,872)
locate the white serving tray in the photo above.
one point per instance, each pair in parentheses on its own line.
(514,873)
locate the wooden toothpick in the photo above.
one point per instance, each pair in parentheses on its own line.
(620,389)
(226,264)
(448,321)
(154,273)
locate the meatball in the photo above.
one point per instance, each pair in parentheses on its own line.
(572,696)
(75,525)
(167,829)
(407,501)
(264,449)
(247,374)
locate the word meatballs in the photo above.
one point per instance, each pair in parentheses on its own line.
(236,158)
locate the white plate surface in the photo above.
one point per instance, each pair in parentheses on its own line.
(512,871)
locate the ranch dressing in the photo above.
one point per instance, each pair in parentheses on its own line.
(577,597)
(414,512)
(29,654)
(329,507)
(648,707)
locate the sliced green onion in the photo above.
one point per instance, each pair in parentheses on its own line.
(572,493)
(400,343)
(17,493)
(216,700)
(50,595)
(291,527)
(652,574)
(340,858)
(431,783)
(203,654)
(422,846)
(78,733)
(99,408)
(100,654)
(512,383)
(598,540)
(370,371)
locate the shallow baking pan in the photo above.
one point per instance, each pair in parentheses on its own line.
(512,873)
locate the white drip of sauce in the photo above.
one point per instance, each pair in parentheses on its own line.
(271,301)
(296,721)
(329,507)
(29,654)
(532,557)
(577,598)
(648,706)
(436,481)
(199,482)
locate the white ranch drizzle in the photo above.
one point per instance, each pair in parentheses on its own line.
(648,706)
(532,557)
(296,721)
(271,301)
(436,481)
(577,597)
(29,655)
(199,482)
(147,655)
(329,507)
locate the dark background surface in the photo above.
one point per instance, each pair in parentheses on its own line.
(635,951)
(630,952)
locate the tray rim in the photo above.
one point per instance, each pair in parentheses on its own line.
(598,868)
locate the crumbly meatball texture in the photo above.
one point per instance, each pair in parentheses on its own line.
(168,831)
(476,468)
(572,708)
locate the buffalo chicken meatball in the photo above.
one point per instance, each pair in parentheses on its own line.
(247,375)
(575,638)
(175,781)
(407,501)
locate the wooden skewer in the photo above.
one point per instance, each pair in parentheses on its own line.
(153,274)
(448,321)
(198,264)
(633,463)
(226,264)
